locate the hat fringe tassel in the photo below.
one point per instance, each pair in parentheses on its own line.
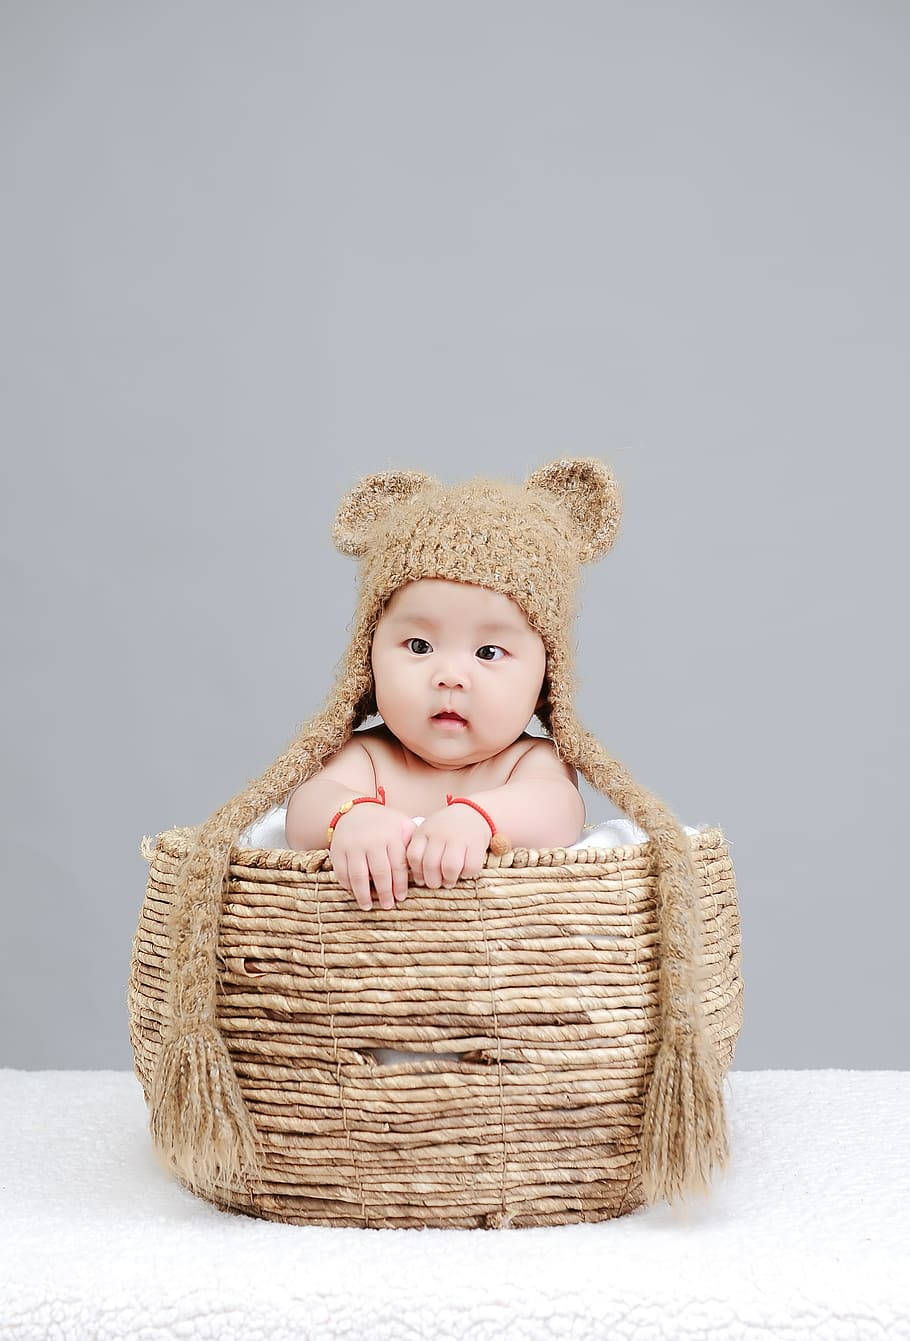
(684,1134)
(199,1122)
(684,1137)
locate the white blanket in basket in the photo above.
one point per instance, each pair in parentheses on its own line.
(269,832)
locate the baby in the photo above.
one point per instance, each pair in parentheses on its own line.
(430,655)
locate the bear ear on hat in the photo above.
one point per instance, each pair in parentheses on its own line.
(590,494)
(363,507)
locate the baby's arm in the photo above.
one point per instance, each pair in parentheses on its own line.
(539,805)
(347,773)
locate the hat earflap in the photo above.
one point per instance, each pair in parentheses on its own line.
(684,1136)
(199,1123)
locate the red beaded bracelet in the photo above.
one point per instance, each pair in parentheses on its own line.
(498,841)
(346,806)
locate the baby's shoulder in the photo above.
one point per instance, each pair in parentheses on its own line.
(382,748)
(375,737)
(539,758)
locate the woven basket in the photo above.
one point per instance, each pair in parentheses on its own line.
(535,984)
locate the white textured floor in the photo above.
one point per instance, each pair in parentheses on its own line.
(807,1234)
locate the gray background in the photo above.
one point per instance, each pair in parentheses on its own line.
(253,252)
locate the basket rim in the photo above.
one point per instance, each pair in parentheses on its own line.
(178,841)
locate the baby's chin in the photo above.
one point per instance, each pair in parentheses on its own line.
(461,750)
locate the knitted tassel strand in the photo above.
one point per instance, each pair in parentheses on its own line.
(199,1123)
(684,1135)
(684,1138)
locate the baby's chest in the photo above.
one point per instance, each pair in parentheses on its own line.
(422,796)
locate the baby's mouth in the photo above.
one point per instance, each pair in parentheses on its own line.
(449,717)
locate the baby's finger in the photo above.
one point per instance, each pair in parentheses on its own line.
(452,863)
(432,863)
(381,870)
(359,877)
(416,849)
(340,867)
(400,871)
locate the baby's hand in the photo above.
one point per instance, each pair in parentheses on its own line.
(370,841)
(450,843)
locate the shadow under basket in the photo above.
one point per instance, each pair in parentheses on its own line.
(528,995)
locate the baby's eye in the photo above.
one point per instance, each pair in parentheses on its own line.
(492,646)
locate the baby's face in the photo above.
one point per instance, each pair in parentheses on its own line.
(441,644)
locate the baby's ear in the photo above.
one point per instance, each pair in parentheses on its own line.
(590,494)
(361,510)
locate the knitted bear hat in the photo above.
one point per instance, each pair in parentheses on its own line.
(526,541)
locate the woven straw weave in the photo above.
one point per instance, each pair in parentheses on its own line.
(536,984)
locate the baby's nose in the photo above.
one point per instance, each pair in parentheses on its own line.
(451,677)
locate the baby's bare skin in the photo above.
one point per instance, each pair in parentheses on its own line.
(420,790)
(428,655)
(382,847)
